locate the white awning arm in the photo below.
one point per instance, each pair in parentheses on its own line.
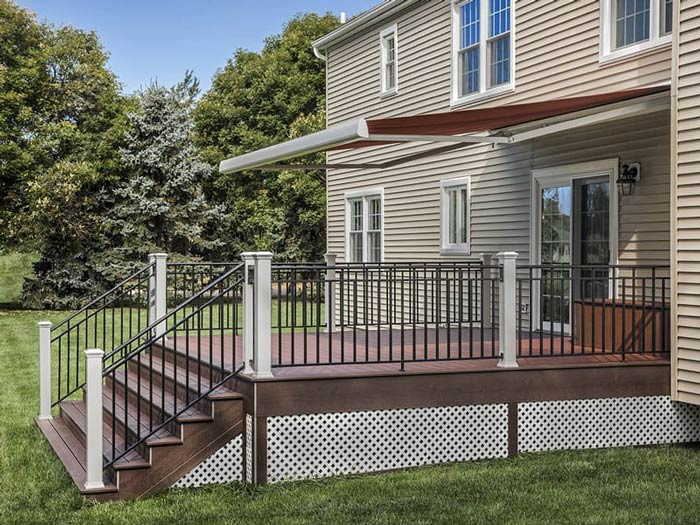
(321,140)
(476,139)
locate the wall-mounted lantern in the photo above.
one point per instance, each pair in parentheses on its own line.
(628,177)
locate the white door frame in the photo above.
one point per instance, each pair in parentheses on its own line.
(566,174)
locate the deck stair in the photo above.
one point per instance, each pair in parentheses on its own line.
(164,408)
(163,458)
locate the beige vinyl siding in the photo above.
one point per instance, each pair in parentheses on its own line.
(686,198)
(556,55)
(500,184)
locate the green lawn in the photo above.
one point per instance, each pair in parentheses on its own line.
(644,485)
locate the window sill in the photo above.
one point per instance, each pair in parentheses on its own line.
(389,94)
(455,251)
(476,98)
(635,51)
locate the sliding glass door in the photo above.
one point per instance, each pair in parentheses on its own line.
(574,231)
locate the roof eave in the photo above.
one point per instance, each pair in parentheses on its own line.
(374,15)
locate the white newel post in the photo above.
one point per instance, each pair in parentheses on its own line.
(506,309)
(262,316)
(248,313)
(329,298)
(45,370)
(93,416)
(157,290)
(487,278)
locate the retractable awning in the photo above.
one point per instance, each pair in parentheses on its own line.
(494,125)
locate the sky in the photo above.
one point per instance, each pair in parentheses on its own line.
(160,40)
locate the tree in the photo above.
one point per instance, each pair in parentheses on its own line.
(161,205)
(22,61)
(256,100)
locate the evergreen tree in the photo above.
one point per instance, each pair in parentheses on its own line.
(161,205)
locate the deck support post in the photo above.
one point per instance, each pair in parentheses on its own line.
(157,290)
(262,314)
(506,310)
(329,298)
(248,313)
(487,278)
(93,417)
(45,370)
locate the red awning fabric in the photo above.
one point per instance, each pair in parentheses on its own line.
(492,118)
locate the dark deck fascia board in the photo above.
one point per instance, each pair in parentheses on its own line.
(323,394)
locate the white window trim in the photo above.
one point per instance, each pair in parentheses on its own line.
(484,93)
(393,29)
(364,194)
(446,248)
(656,39)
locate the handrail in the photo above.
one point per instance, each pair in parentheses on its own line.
(174,311)
(154,426)
(101,297)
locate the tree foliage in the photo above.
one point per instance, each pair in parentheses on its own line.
(161,205)
(256,100)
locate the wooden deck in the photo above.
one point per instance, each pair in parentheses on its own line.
(379,352)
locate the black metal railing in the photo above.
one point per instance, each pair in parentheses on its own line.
(105,323)
(185,279)
(383,312)
(587,310)
(195,353)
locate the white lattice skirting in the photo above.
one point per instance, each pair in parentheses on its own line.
(224,466)
(319,445)
(614,422)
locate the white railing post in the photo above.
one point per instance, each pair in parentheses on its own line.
(262,316)
(93,416)
(329,298)
(506,309)
(487,276)
(248,312)
(157,290)
(45,370)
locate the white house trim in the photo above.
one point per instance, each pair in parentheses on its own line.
(608,53)
(446,248)
(363,194)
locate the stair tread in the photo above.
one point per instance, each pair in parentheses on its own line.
(71,452)
(149,395)
(181,376)
(160,437)
(75,411)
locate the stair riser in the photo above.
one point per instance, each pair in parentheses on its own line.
(158,382)
(80,435)
(173,427)
(154,412)
(198,367)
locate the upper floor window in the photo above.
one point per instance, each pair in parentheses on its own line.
(630,26)
(454,220)
(483,48)
(389,53)
(364,226)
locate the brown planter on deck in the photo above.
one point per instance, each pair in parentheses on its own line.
(616,326)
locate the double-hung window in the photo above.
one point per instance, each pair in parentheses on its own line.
(631,26)
(389,61)
(364,220)
(454,220)
(483,48)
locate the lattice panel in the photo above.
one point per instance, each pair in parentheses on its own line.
(317,445)
(614,422)
(249,448)
(224,466)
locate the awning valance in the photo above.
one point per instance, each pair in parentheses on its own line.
(457,128)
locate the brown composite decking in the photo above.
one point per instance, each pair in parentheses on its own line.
(380,351)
